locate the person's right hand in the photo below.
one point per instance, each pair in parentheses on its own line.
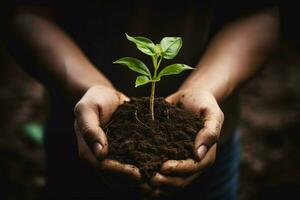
(91,112)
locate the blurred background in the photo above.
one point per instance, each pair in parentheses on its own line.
(270,128)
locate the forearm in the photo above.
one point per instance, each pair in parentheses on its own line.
(235,54)
(47,49)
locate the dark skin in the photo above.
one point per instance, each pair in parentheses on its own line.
(223,68)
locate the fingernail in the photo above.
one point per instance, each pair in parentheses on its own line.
(202,150)
(97,149)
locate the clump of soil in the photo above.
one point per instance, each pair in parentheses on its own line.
(136,139)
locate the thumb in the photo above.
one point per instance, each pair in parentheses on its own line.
(172,99)
(209,134)
(88,123)
(123,98)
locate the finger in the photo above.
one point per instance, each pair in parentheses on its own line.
(84,151)
(208,136)
(180,167)
(88,123)
(189,166)
(125,170)
(171,182)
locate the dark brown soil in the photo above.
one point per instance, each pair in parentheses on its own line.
(136,139)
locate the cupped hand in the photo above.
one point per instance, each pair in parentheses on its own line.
(91,112)
(176,174)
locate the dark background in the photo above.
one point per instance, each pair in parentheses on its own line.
(270,125)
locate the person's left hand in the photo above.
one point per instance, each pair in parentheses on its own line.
(176,174)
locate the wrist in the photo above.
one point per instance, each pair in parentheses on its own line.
(219,88)
(77,89)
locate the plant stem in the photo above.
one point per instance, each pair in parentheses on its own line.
(160,59)
(152,95)
(152,100)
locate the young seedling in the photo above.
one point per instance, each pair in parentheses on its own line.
(168,48)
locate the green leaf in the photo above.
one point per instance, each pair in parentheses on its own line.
(173,69)
(145,45)
(141,80)
(134,64)
(170,46)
